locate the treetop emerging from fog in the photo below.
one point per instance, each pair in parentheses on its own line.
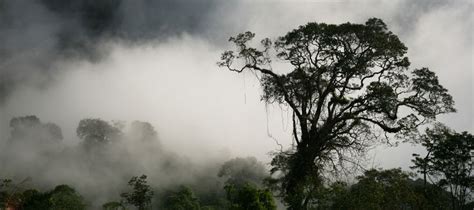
(346,82)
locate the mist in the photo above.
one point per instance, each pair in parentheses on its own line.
(35,157)
(155,61)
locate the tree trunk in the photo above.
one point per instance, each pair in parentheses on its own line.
(301,168)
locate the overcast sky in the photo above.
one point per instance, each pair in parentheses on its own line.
(155,61)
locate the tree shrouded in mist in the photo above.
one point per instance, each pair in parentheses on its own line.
(345,85)
(97,131)
(143,131)
(31,127)
(243,170)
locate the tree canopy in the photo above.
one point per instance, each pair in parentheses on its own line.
(141,195)
(61,197)
(65,197)
(247,196)
(345,84)
(143,131)
(97,132)
(387,189)
(449,162)
(31,128)
(243,170)
(182,199)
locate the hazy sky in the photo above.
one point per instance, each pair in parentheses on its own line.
(155,61)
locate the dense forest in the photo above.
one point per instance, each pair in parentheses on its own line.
(346,87)
(103,171)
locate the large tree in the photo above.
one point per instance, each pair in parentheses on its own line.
(345,85)
(96,132)
(30,128)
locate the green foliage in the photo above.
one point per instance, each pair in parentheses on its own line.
(431,196)
(386,189)
(182,199)
(243,175)
(33,199)
(337,196)
(64,197)
(249,197)
(450,160)
(113,206)
(141,193)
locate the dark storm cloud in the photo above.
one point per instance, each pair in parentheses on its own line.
(36,33)
(135,19)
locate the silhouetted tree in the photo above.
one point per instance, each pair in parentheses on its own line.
(31,128)
(97,132)
(21,126)
(344,84)
(141,194)
(450,160)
